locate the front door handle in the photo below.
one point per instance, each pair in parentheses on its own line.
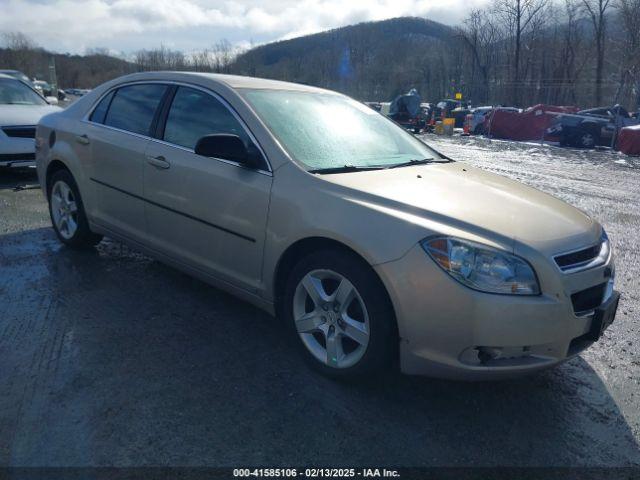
(82,139)
(159,162)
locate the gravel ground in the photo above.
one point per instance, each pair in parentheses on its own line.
(111,358)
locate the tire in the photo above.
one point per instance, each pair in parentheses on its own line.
(586,139)
(67,212)
(355,339)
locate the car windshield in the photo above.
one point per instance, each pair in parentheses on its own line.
(325,131)
(14,92)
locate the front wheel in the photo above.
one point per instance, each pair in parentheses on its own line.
(586,139)
(67,212)
(341,315)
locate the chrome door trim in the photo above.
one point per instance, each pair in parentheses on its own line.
(215,95)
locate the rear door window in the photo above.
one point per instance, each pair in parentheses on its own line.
(133,107)
(194,114)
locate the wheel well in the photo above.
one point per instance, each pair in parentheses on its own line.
(308,245)
(53,167)
(304,247)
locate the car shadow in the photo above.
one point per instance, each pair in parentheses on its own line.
(111,358)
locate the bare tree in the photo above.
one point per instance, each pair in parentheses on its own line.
(18,41)
(223,54)
(23,53)
(479,35)
(519,17)
(572,57)
(596,10)
(629,11)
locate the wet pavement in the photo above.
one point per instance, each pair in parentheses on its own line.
(108,357)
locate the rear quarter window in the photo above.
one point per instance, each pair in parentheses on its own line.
(100,112)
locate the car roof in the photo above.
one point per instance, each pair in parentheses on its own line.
(232,81)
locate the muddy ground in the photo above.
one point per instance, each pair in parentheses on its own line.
(111,358)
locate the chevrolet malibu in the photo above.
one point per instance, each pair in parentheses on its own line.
(374,249)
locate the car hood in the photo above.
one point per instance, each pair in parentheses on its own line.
(456,195)
(24,114)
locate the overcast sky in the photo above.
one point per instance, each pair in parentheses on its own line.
(191,25)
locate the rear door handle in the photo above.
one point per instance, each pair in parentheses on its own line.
(159,162)
(82,139)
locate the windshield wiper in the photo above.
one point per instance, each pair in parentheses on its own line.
(343,169)
(421,161)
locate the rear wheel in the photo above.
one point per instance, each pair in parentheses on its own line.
(67,212)
(341,315)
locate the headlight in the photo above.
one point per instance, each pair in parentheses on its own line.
(482,267)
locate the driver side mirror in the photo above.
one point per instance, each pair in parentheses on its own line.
(227,147)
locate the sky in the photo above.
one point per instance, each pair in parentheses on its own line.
(125,26)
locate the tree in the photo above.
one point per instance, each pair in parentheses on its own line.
(596,10)
(480,35)
(18,41)
(629,11)
(572,57)
(519,16)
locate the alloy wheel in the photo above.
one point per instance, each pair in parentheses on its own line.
(64,209)
(587,140)
(331,318)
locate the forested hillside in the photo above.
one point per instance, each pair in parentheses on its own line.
(73,71)
(370,61)
(512,52)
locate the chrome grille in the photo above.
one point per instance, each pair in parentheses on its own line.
(583,259)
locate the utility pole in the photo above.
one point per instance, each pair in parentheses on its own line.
(53,81)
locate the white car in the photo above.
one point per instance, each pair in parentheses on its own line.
(21,108)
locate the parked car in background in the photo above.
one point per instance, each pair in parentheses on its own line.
(21,107)
(475,120)
(17,74)
(592,127)
(448,105)
(78,92)
(449,108)
(43,88)
(369,245)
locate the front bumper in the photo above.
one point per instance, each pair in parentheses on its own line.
(448,330)
(17,152)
